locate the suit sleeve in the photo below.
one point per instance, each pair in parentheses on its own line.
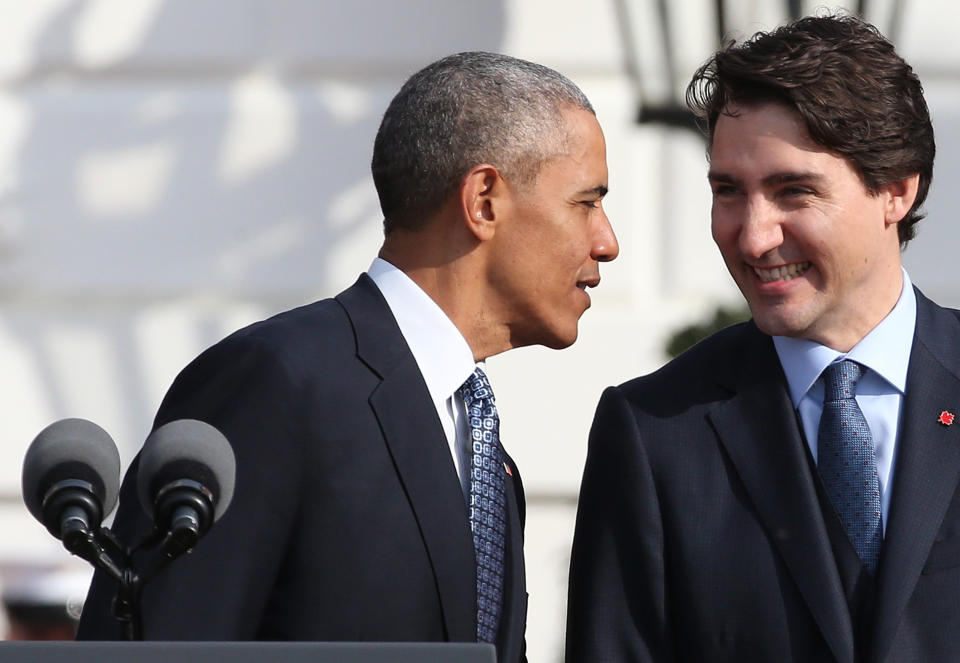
(221,590)
(617,610)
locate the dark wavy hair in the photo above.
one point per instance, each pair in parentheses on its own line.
(858,98)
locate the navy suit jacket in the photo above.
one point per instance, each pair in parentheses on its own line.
(348,520)
(699,533)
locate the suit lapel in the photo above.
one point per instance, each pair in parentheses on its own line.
(421,454)
(926,467)
(759,430)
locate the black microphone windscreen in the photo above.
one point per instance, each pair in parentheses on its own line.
(187,449)
(71,449)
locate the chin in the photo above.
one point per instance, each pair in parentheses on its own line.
(776,325)
(560,344)
(556,330)
(555,339)
(559,341)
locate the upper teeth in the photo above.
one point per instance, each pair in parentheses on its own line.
(782,273)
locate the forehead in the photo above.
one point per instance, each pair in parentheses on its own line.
(766,137)
(583,149)
(769,123)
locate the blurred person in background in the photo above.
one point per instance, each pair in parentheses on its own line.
(42,601)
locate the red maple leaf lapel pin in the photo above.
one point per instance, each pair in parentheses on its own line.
(946,418)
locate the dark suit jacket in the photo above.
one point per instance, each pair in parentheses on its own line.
(700,536)
(348,521)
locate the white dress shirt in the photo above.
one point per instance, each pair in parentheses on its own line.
(885,351)
(440,350)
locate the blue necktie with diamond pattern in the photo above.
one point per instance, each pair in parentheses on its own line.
(847,461)
(487,501)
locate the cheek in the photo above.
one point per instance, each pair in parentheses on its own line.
(724,232)
(567,241)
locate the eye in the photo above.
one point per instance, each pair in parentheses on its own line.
(795,195)
(593,204)
(724,190)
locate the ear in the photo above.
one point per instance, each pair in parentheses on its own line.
(481,191)
(900,196)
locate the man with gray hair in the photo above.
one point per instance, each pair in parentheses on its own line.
(373,499)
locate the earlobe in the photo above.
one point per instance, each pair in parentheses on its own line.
(901,195)
(479,193)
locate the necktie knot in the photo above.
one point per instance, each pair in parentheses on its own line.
(476,388)
(840,380)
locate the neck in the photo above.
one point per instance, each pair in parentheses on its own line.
(846,333)
(451,272)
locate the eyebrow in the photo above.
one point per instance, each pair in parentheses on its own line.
(787,177)
(600,191)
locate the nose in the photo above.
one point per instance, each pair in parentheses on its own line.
(760,230)
(605,247)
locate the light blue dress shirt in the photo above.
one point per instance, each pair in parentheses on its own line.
(886,352)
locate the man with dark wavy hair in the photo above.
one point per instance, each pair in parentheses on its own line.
(787,490)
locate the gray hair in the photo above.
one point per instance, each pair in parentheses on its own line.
(463,110)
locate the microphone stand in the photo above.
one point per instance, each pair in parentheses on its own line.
(101,547)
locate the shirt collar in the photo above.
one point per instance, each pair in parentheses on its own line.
(440,350)
(885,350)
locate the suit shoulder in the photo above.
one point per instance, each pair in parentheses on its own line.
(952,311)
(698,374)
(320,323)
(306,355)
(290,346)
(324,329)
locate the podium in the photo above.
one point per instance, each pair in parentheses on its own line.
(247,652)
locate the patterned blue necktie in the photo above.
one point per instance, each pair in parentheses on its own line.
(487,501)
(847,461)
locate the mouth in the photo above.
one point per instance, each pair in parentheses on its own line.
(782,273)
(591,282)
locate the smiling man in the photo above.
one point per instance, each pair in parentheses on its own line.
(373,499)
(787,490)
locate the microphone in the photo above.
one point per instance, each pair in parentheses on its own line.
(71,480)
(185,482)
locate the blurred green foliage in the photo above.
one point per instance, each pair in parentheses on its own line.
(690,335)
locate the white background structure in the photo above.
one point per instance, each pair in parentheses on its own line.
(173,169)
